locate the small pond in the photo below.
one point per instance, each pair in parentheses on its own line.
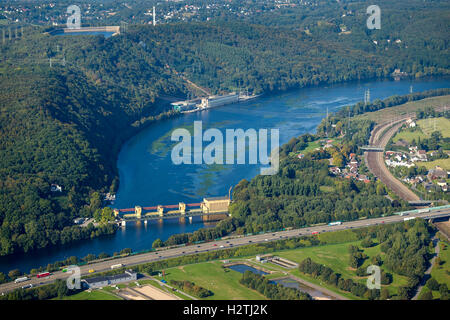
(243,267)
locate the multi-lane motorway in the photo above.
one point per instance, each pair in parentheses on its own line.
(220,245)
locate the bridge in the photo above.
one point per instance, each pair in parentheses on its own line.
(372,148)
(209,209)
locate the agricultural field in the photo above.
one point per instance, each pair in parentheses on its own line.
(409,136)
(443,163)
(435,124)
(401,110)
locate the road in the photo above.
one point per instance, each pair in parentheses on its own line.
(217,245)
(375,160)
(428,271)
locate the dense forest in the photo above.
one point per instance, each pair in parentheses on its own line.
(68,103)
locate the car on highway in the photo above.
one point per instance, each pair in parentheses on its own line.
(91,270)
(249,240)
(266,239)
(215,244)
(221,246)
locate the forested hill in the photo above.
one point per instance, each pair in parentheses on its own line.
(64,123)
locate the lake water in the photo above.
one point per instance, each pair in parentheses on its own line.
(148,177)
(243,267)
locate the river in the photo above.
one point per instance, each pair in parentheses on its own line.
(148,177)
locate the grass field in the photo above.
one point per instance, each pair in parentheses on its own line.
(312,146)
(435,124)
(409,136)
(409,107)
(442,273)
(443,163)
(336,257)
(224,283)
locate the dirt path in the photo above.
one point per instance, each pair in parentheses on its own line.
(153,293)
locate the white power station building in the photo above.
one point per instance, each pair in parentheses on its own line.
(215,101)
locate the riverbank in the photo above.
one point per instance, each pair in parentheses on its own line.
(148,177)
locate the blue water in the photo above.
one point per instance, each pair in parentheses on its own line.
(243,267)
(148,177)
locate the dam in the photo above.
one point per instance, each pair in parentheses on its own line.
(210,209)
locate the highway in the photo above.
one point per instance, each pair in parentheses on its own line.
(219,245)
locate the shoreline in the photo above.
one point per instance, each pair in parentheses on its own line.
(136,130)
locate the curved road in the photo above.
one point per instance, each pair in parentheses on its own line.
(216,245)
(375,160)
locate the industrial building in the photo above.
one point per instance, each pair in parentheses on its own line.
(183,105)
(98,282)
(215,101)
(216,204)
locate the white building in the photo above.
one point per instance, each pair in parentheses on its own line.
(215,101)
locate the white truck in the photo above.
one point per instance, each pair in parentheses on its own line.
(115,266)
(409,218)
(21,279)
(424,210)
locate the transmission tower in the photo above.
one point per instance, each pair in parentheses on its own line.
(367,97)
